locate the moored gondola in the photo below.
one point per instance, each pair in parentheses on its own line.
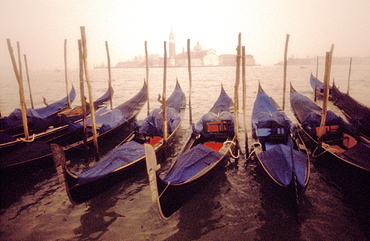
(127,159)
(339,140)
(278,145)
(38,119)
(118,124)
(318,87)
(356,113)
(209,144)
(16,150)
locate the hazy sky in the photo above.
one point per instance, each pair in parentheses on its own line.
(41,26)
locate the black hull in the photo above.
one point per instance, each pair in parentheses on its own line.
(40,150)
(173,197)
(81,193)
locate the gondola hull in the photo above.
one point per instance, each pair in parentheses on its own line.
(356,113)
(340,140)
(209,144)
(278,149)
(106,140)
(128,159)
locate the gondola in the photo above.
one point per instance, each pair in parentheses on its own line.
(50,128)
(128,158)
(356,113)
(38,119)
(318,87)
(116,125)
(277,143)
(339,140)
(210,142)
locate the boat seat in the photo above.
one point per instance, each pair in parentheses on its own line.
(332,135)
(218,130)
(275,134)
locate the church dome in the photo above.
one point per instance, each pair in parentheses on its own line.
(197,47)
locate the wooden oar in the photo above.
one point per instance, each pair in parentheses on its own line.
(65,72)
(328,60)
(164,95)
(109,76)
(21,90)
(29,83)
(147,75)
(285,68)
(349,75)
(190,83)
(87,76)
(245,100)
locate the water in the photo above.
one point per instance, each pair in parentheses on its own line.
(239,203)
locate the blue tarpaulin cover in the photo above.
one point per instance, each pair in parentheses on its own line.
(54,107)
(153,124)
(277,157)
(38,117)
(116,158)
(105,120)
(278,162)
(191,162)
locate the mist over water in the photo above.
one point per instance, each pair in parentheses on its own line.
(239,203)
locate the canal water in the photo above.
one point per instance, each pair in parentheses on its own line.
(239,203)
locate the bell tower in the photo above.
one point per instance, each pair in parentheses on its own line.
(171,45)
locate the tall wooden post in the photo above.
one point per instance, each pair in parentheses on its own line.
(28,81)
(328,61)
(164,104)
(236,90)
(87,76)
(82,94)
(65,72)
(109,76)
(190,83)
(21,90)
(285,68)
(147,74)
(245,100)
(349,75)
(317,70)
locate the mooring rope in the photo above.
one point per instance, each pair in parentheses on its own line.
(231,152)
(316,156)
(28,140)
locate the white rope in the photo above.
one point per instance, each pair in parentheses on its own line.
(231,152)
(28,140)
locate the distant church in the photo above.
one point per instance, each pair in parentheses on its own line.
(200,57)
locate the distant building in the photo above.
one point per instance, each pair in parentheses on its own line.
(199,57)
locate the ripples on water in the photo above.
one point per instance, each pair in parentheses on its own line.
(239,202)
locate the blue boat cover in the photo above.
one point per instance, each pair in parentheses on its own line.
(319,84)
(309,114)
(54,107)
(278,155)
(279,163)
(39,118)
(116,158)
(153,124)
(177,99)
(191,162)
(39,123)
(265,112)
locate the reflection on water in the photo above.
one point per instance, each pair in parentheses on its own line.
(238,203)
